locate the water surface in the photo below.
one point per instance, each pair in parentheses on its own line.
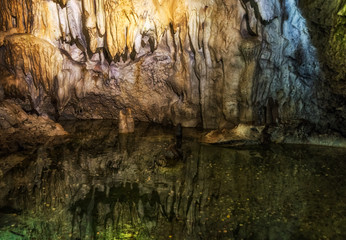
(102,185)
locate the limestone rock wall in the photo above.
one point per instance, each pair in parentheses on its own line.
(326,21)
(208,63)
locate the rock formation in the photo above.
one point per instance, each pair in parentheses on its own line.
(198,63)
(126,123)
(19,130)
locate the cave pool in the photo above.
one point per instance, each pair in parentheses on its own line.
(98,184)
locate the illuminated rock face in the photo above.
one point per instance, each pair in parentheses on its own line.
(208,63)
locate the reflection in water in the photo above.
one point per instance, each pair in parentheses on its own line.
(101,185)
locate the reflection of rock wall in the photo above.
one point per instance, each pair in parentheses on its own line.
(99,184)
(169,61)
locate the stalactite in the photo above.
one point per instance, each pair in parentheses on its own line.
(106,42)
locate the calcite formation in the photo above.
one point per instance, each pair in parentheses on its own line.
(198,63)
(126,123)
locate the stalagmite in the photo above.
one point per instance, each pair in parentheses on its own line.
(126,123)
(252,71)
(169,61)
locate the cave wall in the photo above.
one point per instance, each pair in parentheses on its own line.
(326,21)
(199,63)
(327,25)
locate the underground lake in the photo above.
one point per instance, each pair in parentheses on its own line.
(172,119)
(99,184)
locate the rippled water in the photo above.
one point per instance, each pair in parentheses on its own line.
(101,185)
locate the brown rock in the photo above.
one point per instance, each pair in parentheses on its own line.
(122,122)
(208,63)
(20,128)
(240,135)
(126,122)
(129,120)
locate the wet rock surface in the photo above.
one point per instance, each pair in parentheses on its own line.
(20,130)
(293,133)
(238,136)
(213,64)
(327,22)
(105,185)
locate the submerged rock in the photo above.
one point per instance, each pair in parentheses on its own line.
(294,133)
(238,136)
